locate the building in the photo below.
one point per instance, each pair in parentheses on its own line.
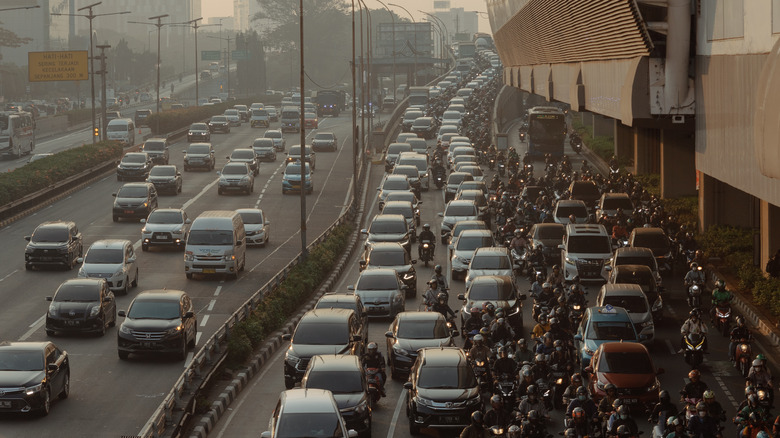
(461,24)
(242,14)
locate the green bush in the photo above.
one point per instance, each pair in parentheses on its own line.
(43,173)
(603,146)
(766,292)
(723,240)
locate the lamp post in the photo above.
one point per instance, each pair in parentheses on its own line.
(227,69)
(414,28)
(354,114)
(365,80)
(91,16)
(195,26)
(438,24)
(304,252)
(159,24)
(392,17)
(102,73)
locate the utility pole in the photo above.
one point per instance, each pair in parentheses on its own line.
(304,252)
(159,24)
(102,73)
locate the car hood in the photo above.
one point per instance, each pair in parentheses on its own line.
(153,179)
(264,150)
(253,227)
(345,401)
(401,269)
(153,228)
(132,165)
(309,350)
(548,243)
(627,380)
(18,379)
(151,324)
(416,344)
(103,268)
(452,220)
(197,155)
(133,201)
(389,237)
(321,141)
(66,307)
(46,245)
(209,250)
(370,296)
(453,395)
(464,254)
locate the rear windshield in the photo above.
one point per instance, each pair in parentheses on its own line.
(625,363)
(489,290)
(647,240)
(550,232)
(337,382)
(633,304)
(377,282)
(457,178)
(580,211)
(388,227)
(446,377)
(198,149)
(615,203)
(134,158)
(154,146)
(648,261)
(471,243)
(405,211)
(611,331)
(395,149)
(251,217)
(589,244)
(490,262)
(422,329)
(272,134)
(460,210)
(243,154)
(585,189)
(163,171)
(292,425)
(321,334)
(323,136)
(388,258)
(396,184)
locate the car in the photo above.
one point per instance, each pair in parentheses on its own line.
(656,239)
(157,150)
(388,228)
(394,150)
(134,200)
(245,155)
(393,256)
(406,209)
(165,227)
(410,115)
(632,298)
(405,136)
(273,114)
(33,375)
(219,124)
(113,260)
(460,163)
(158,321)
(199,132)
(418,145)
(548,236)
(452,117)
(454,212)
(264,149)
(462,226)
(134,165)
(257,226)
(463,247)
(388,103)
(630,368)
(310,120)
(406,196)
(243,111)
(600,325)
(453,181)
(644,277)
(585,249)
(564,208)
(479,199)
(324,140)
(633,256)
(444,139)
(166,178)
(199,155)
(442,390)
(142,117)
(490,261)
(233,117)
(54,243)
(81,305)
(111,115)
(445,129)
(411,173)
(500,290)
(473,185)
(411,331)
(424,127)
(610,203)
(390,184)
(259,118)
(585,191)
(321,331)
(332,300)
(345,377)
(420,162)
(381,290)
(291,179)
(307,412)
(309,155)
(236,176)
(280,144)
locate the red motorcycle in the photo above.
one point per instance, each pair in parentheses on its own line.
(374,378)
(743,356)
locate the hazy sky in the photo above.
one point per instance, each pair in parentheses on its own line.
(216,8)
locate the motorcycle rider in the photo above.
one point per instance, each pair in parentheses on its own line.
(619,232)
(606,404)
(694,276)
(703,425)
(542,327)
(714,408)
(373,359)
(522,352)
(695,388)
(426,235)
(442,307)
(477,427)
(518,242)
(693,324)
(497,415)
(582,401)
(624,419)
(570,393)
(534,426)
(536,287)
(504,365)
(440,278)
(677,427)
(545,298)
(720,296)
(479,351)
(473,323)
(532,402)
(738,333)
(540,369)
(430,295)
(501,331)
(580,423)
(556,276)
(662,411)
(546,346)
(759,377)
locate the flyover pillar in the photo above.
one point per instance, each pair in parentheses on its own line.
(678,164)
(770,235)
(645,149)
(624,142)
(603,126)
(720,203)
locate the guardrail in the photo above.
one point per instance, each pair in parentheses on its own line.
(179,403)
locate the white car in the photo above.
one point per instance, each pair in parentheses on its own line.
(463,248)
(256,224)
(165,227)
(114,260)
(490,261)
(233,116)
(280,144)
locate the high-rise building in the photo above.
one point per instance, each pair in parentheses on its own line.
(461,24)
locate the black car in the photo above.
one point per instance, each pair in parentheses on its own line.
(142,117)
(199,155)
(81,305)
(157,150)
(442,390)
(158,321)
(166,178)
(411,331)
(134,165)
(198,132)
(324,140)
(219,124)
(134,200)
(31,374)
(57,243)
(245,155)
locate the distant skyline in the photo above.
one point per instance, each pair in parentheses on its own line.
(216,8)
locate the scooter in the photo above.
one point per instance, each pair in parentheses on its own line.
(723,318)
(743,355)
(694,296)
(425,252)
(694,349)
(501,169)
(374,385)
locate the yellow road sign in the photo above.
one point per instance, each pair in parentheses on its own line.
(58,66)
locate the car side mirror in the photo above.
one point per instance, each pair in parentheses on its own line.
(27,238)
(113,194)
(266,434)
(268,222)
(578,337)
(227,158)
(131,260)
(352,433)
(462,297)
(351,287)
(608,268)
(357,338)
(49,298)
(364,231)
(389,334)
(121,313)
(414,262)
(189,314)
(408,385)
(441,214)
(286,337)
(143,221)
(419,202)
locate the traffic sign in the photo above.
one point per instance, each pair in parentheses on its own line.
(58,66)
(239,55)
(209,55)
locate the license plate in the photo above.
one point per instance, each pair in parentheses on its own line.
(449,419)
(71,323)
(147,344)
(129,212)
(233,184)
(161,236)
(209,271)
(5,404)
(630,401)
(374,309)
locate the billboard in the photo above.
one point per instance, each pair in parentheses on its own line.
(58,66)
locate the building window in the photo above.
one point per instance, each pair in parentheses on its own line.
(725,19)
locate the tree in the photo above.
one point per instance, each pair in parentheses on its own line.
(10,39)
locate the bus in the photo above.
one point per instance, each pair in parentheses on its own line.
(17,133)
(546,131)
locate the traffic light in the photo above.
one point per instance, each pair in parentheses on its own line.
(97,131)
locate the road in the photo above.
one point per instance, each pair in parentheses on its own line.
(110,397)
(249,413)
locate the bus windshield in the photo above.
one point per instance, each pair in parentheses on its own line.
(547,128)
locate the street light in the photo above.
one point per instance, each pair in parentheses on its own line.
(22,7)
(91,16)
(159,24)
(304,252)
(227,69)
(392,17)
(196,26)
(441,33)
(354,115)
(414,28)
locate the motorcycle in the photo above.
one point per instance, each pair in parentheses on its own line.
(723,318)
(501,169)
(492,162)
(694,295)
(374,384)
(482,374)
(523,135)
(577,146)
(518,258)
(544,388)
(694,349)
(536,269)
(559,380)
(452,328)
(743,355)
(576,312)
(506,387)
(425,252)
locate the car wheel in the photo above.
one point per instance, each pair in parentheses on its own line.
(188,275)
(46,403)
(65,387)
(135,282)
(116,218)
(413,428)
(144,247)
(183,352)
(289,383)
(124,355)
(178,190)
(102,331)
(126,287)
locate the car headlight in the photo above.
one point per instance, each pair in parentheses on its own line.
(460,259)
(178,231)
(658,304)
(30,390)
(94,311)
(423,401)
(174,330)
(647,324)
(118,273)
(189,256)
(145,204)
(81,274)
(245,179)
(52,310)
(569,260)
(124,329)
(223,181)
(229,257)
(400,351)
(361,408)
(292,358)
(588,351)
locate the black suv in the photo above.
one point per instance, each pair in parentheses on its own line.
(32,374)
(134,165)
(134,200)
(157,149)
(81,305)
(442,391)
(158,321)
(54,243)
(322,331)
(219,124)
(199,155)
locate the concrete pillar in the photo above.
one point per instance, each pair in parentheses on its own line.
(642,144)
(707,201)
(678,164)
(770,236)
(624,142)
(720,203)
(604,126)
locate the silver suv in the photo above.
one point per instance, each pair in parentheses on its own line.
(114,260)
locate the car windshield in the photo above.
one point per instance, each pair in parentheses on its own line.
(323,136)
(490,262)
(585,189)
(410,172)
(611,331)
(210,237)
(134,158)
(132,192)
(642,278)
(155,146)
(636,260)
(467,225)
(457,178)
(377,282)
(198,149)
(154,309)
(550,233)
(632,303)
(451,377)
(422,122)
(165,217)
(259,113)
(388,258)
(219,119)
(309,333)
(460,210)
(395,149)
(650,240)
(337,382)
(589,244)
(163,171)
(413,115)
(231,112)
(243,154)
(251,217)
(422,329)
(615,203)
(21,360)
(421,165)
(272,134)
(388,227)
(295,151)
(294,169)
(402,196)
(263,143)
(234,170)
(630,362)
(471,243)
(309,425)
(577,211)
(50,234)
(78,292)
(395,184)
(116,128)
(199,127)
(107,256)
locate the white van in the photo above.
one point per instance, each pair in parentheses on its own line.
(121,130)
(216,244)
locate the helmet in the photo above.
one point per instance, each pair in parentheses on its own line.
(761,356)
(484,331)
(475,311)
(762,434)
(610,387)
(694,312)
(694,265)
(490,307)
(372,348)
(578,412)
(694,375)
(540,278)
(556,267)
(533,415)
(546,285)
(437,269)
(513,431)
(526,372)
(500,321)
(558,343)
(502,352)
(486,319)
(749,389)
(623,430)
(617,403)
(432,281)
(478,338)
(521,342)
(495,399)
(441,296)
(623,411)
(754,418)
(576,379)
(752,399)
(757,363)
(540,358)
(720,283)
(532,390)
(427,227)
(664,396)
(673,421)
(518,233)
(553,321)
(476,417)
(581,391)
(499,313)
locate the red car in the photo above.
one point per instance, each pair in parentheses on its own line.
(310,121)
(629,366)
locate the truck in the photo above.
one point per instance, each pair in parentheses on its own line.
(418,96)
(329,102)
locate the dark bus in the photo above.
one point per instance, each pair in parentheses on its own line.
(546,131)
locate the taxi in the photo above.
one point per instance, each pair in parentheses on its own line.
(602,324)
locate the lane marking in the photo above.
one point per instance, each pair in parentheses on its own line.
(197,338)
(396,413)
(12,273)
(204,320)
(37,321)
(211,305)
(216,292)
(35,327)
